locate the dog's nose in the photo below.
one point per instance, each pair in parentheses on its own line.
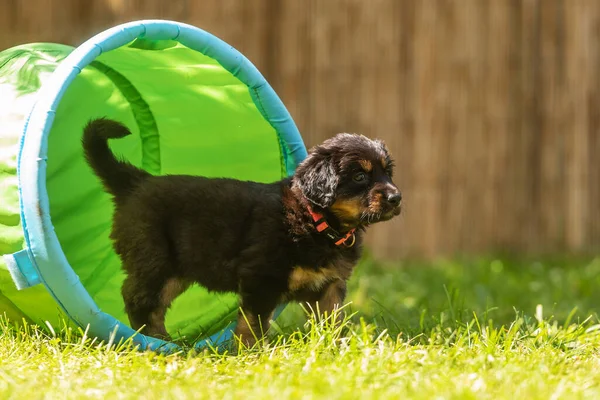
(394,198)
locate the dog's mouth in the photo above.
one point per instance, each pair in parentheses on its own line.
(354,213)
(393,212)
(370,217)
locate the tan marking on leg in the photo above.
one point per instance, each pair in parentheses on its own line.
(249,328)
(308,278)
(244,329)
(330,301)
(172,288)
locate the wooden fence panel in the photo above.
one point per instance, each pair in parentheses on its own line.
(491,108)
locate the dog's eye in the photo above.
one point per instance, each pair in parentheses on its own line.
(360,177)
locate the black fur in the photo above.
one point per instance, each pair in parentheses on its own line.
(118,176)
(317,178)
(254,239)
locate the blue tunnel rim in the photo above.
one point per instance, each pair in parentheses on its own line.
(42,244)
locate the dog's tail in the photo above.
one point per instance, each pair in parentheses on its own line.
(118,176)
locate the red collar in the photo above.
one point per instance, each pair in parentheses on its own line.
(322,226)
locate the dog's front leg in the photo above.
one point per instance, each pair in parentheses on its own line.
(254,317)
(330,299)
(251,327)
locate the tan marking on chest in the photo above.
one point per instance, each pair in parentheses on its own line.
(308,278)
(347,208)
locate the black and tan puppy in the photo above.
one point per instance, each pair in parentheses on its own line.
(293,240)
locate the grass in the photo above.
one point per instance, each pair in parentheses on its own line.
(462,329)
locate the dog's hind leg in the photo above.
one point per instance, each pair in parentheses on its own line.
(153,280)
(147,301)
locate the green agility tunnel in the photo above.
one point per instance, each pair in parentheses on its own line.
(196,106)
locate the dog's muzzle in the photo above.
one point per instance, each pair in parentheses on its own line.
(393,201)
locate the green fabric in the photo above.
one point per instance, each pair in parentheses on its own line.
(22,70)
(188,115)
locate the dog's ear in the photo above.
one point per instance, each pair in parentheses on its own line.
(317,178)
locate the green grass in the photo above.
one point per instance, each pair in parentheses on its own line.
(470,329)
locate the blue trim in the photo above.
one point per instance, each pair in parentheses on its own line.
(47,257)
(21,269)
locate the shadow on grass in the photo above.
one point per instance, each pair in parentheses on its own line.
(413,298)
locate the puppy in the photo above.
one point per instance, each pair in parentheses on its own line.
(297,239)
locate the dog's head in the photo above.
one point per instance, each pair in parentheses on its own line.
(351,176)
